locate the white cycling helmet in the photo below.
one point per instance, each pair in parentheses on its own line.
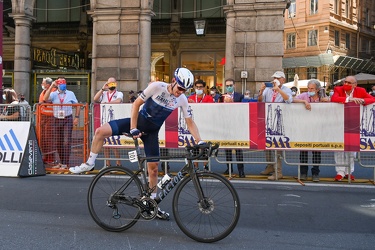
(184,78)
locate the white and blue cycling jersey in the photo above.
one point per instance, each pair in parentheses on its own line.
(159,103)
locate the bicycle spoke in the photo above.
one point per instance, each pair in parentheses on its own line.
(209,220)
(110,199)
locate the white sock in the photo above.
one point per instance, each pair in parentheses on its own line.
(92,158)
(153,195)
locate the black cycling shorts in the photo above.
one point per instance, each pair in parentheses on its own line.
(150,138)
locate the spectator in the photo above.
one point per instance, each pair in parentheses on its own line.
(47,145)
(132,96)
(214,93)
(63,120)
(349,92)
(313,95)
(246,97)
(294,91)
(200,97)
(24,108)
(109,94)
(278,93)
(11,112)
(229,97)
(372,92)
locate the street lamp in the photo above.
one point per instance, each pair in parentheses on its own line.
(200,27)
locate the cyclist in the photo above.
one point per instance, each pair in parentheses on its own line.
(159,100)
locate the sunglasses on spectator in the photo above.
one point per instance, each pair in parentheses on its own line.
(349,82)
(229,85)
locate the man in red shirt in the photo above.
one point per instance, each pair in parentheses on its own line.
(200,95)
(349,92)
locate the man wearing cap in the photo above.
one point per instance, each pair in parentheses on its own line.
(109,94)
(63,118)
(47,145)
(277,93)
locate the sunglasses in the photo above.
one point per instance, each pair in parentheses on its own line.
(349,82)
(229,85)
(181,89)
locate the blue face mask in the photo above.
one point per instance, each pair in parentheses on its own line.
(62,87)
(311,93)
(230,89)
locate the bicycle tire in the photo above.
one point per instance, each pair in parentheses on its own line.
(120,216)
(206,224)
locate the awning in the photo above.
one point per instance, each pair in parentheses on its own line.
(308,61)
(357,64)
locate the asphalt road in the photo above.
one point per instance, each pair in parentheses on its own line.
(50,212)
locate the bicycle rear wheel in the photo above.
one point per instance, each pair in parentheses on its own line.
(110,198)
(212,219)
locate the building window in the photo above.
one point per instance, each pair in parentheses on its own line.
(313,7)
(336,7)
(162,9)
(366,19)
(347,40)
(347,8)
(365,46)
(202,8)
(59,11)
(291,43)
(292,9)
(337,38)
(312,73)
(312,38)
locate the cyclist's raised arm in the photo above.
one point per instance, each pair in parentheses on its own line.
(193,129)
(134,112)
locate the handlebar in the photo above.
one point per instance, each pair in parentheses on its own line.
(204,151)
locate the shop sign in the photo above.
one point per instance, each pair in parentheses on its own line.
(57,59)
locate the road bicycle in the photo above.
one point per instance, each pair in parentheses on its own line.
(206,206)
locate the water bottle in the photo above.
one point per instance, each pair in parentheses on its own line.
(164,181)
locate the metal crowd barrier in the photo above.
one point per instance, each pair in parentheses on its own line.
(250,157)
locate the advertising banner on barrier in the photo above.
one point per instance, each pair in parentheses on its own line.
(262,126)
(367,128)
(292,126)
(13,139)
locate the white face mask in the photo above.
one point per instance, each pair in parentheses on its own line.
(43,87)
(4,97)
(199,91)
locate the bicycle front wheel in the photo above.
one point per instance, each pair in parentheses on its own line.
(110,199)
(211,219)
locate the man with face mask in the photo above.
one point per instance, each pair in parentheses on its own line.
(349,92)
(63,119)
(200,96)
(313,87)
(229,97)
(109,94)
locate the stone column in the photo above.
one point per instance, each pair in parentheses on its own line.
(121,43)
(254,41)
(22,65)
